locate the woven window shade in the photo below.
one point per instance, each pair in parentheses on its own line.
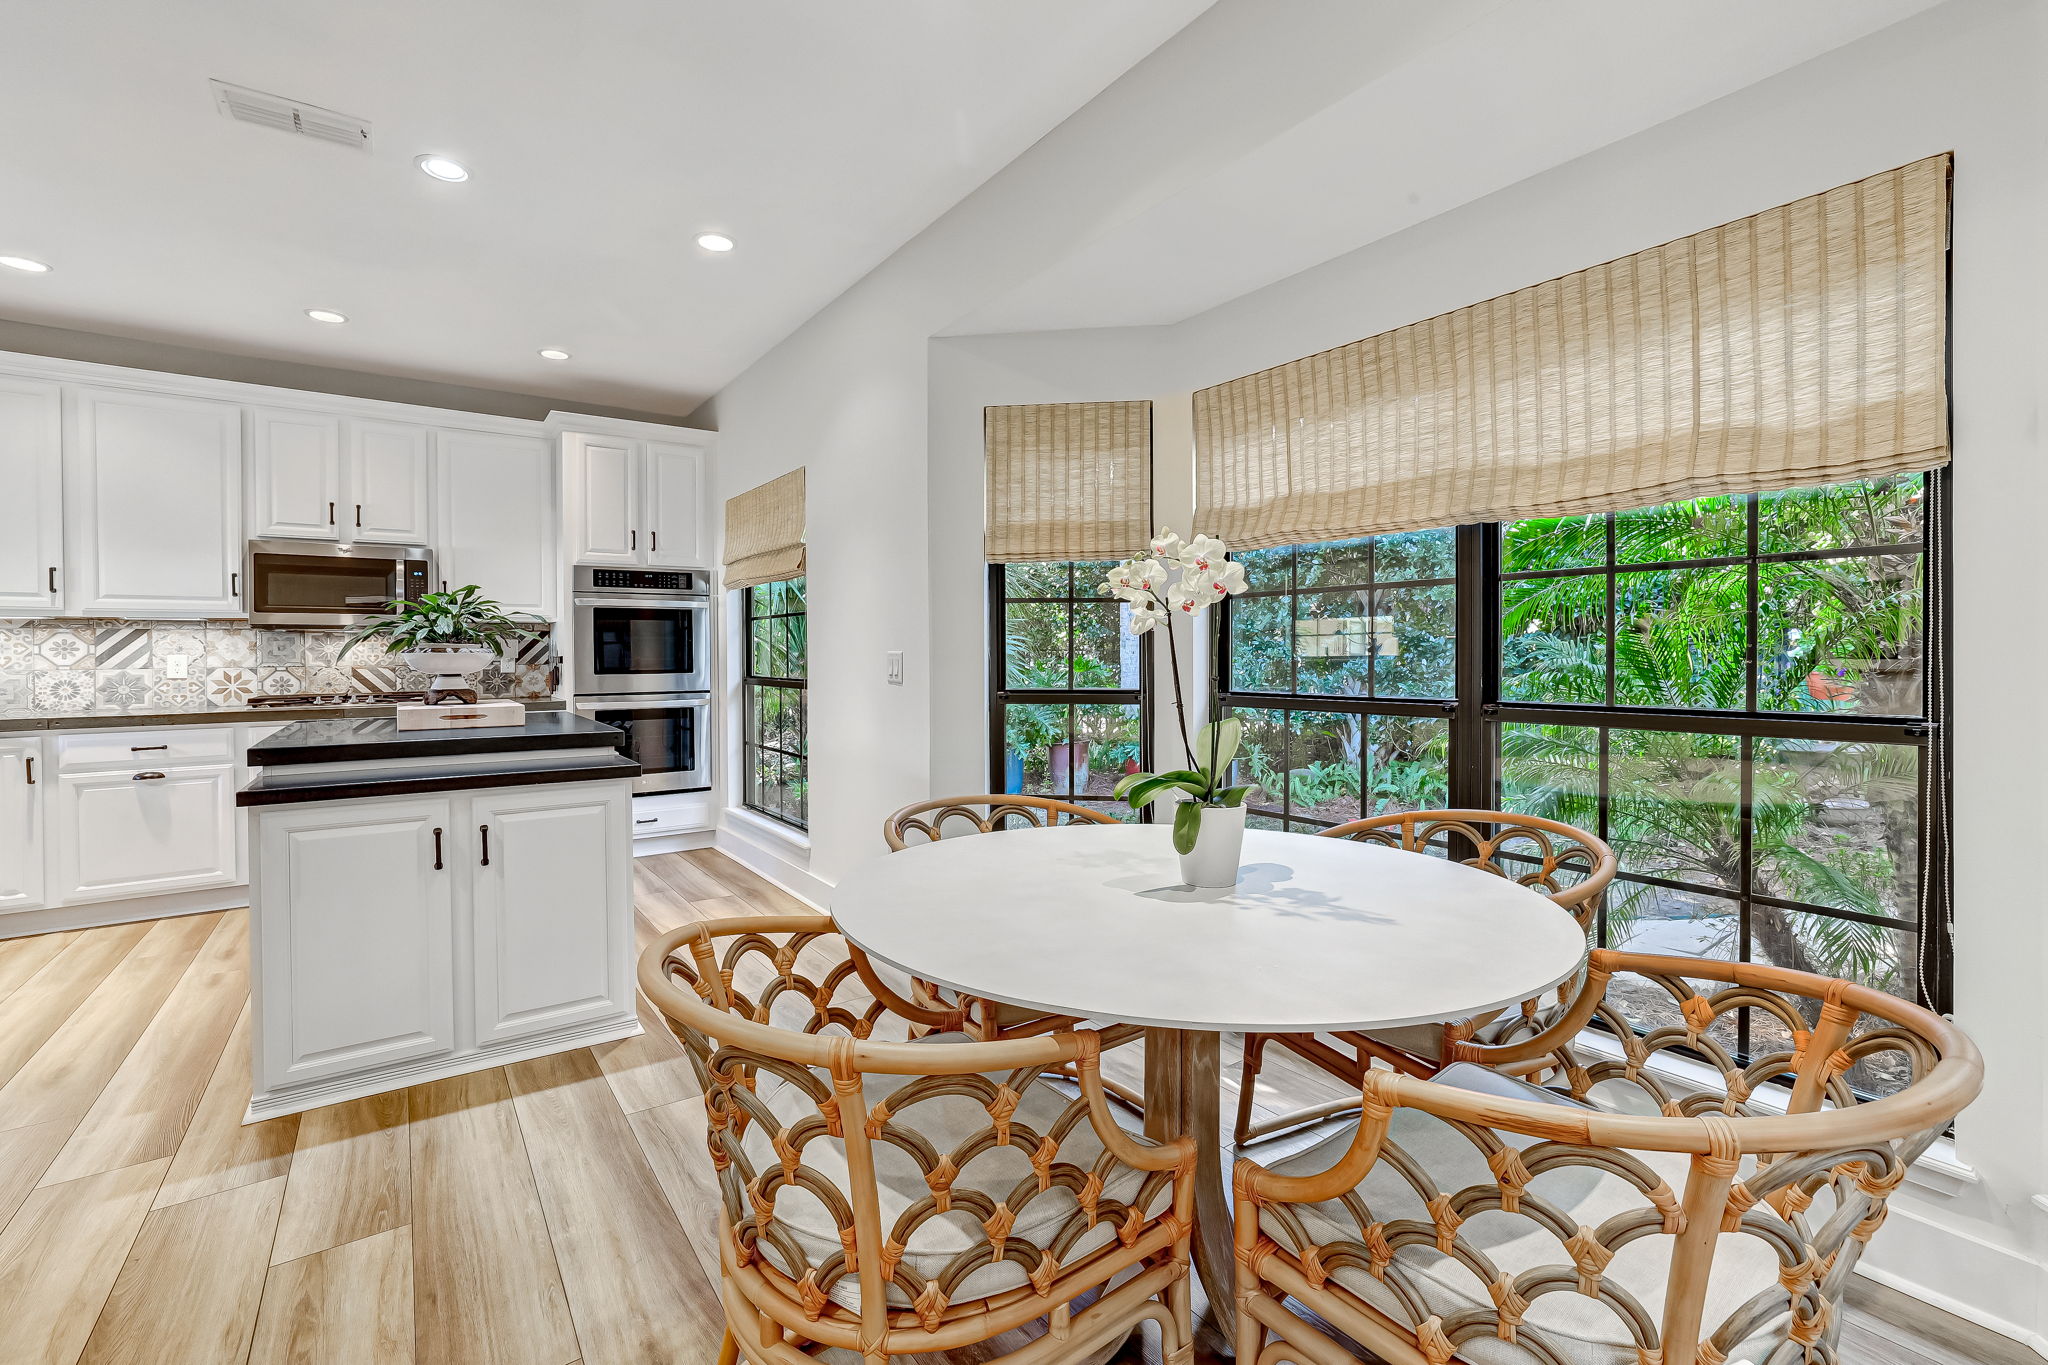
(1067,481)
(764,532)
(1804,345)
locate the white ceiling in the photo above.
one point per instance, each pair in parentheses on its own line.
(602,139)
(1490,94)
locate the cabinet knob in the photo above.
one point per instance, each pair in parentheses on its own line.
(147,777)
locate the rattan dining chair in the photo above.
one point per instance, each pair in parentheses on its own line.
(1566,864)
(952,817)
(1676,1203)
(887,1197)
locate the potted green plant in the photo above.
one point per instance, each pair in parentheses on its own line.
(1185,579)
(447,634)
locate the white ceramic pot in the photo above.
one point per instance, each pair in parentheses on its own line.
(449,665)
(1219,848)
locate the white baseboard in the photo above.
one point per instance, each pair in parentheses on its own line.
(94,914)
(772,862)
(1937,1264)
(672,843)
(313,1094)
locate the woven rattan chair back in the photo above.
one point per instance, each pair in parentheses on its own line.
(1781,1155)
(1566,864)
(890,1197)
(952,815)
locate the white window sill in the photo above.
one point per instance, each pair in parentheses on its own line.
(773,831)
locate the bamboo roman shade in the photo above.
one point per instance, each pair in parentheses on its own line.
(764,532)
(1067,480)
(1804,345)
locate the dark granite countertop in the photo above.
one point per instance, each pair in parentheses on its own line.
(138,717)
(296,786)
(367,739)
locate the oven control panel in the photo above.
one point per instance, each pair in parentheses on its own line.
(644,579)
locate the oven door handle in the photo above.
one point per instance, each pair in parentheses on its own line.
(659,603)
(591,708)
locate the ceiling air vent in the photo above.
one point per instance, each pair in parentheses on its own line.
(290,116)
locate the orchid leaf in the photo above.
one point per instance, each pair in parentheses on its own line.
(1216,743)
(1152,788)
(1187,825)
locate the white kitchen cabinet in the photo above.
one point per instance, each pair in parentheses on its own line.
(552,868)
(153,505)
(607,531)
(675,506)
(32,512)
(294,474)
(313,476)
(389,480)
(497,517)
(22,781)
(637,502)
(143,831)
(355,908)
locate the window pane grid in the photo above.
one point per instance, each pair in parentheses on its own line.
(775,735)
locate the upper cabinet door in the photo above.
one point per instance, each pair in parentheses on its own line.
(497,517)
(389,476)
(675,506)
(32,513)
(153,502)
(608,528)
(294,474)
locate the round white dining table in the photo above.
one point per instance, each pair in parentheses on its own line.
(1318,935)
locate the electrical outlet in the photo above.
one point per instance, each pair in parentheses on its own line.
(896,667)
(177,666)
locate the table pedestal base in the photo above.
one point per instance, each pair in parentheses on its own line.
(1183,1090)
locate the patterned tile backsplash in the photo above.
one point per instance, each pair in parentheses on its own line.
(72,665)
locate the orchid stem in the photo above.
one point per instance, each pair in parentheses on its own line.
(1180,704)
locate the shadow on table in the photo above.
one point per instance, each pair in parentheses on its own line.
(1268,881)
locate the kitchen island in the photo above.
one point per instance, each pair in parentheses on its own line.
(429,902)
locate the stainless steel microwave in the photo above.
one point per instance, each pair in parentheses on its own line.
(312,583)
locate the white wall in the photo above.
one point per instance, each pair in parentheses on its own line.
(889,422)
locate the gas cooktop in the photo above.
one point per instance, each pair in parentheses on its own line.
(301,700)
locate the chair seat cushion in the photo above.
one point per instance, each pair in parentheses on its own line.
(1496,1245)
(946,1128)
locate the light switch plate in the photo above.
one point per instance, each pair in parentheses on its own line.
(896,667)
(177,666)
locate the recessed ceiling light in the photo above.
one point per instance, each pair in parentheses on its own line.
(552,354)
(24,263)
(441,167)
(714,241)
(326,315)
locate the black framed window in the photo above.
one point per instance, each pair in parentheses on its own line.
(1070,687)
(775,740)
(1743,695)
(1341,659)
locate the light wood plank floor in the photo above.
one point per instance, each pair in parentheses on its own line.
(553,1212)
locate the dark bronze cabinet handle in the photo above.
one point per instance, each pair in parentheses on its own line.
(146,748)
(653,541)
(53,578)
(437,848)
(632,540)
(147,777)
(359,514)
(31,770)
(484,833)
(330,514)
(234,585)
(647,819)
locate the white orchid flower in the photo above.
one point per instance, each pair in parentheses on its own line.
(1168,545)
(1204,553)
(1136,580)
(1208,587)
(1144,618)
(1186,599)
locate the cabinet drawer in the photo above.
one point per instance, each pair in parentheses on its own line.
(145,748)
(145,832)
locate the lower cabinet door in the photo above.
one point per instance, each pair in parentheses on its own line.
(21,824)
(553,908)
(144,832)
(354,926)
